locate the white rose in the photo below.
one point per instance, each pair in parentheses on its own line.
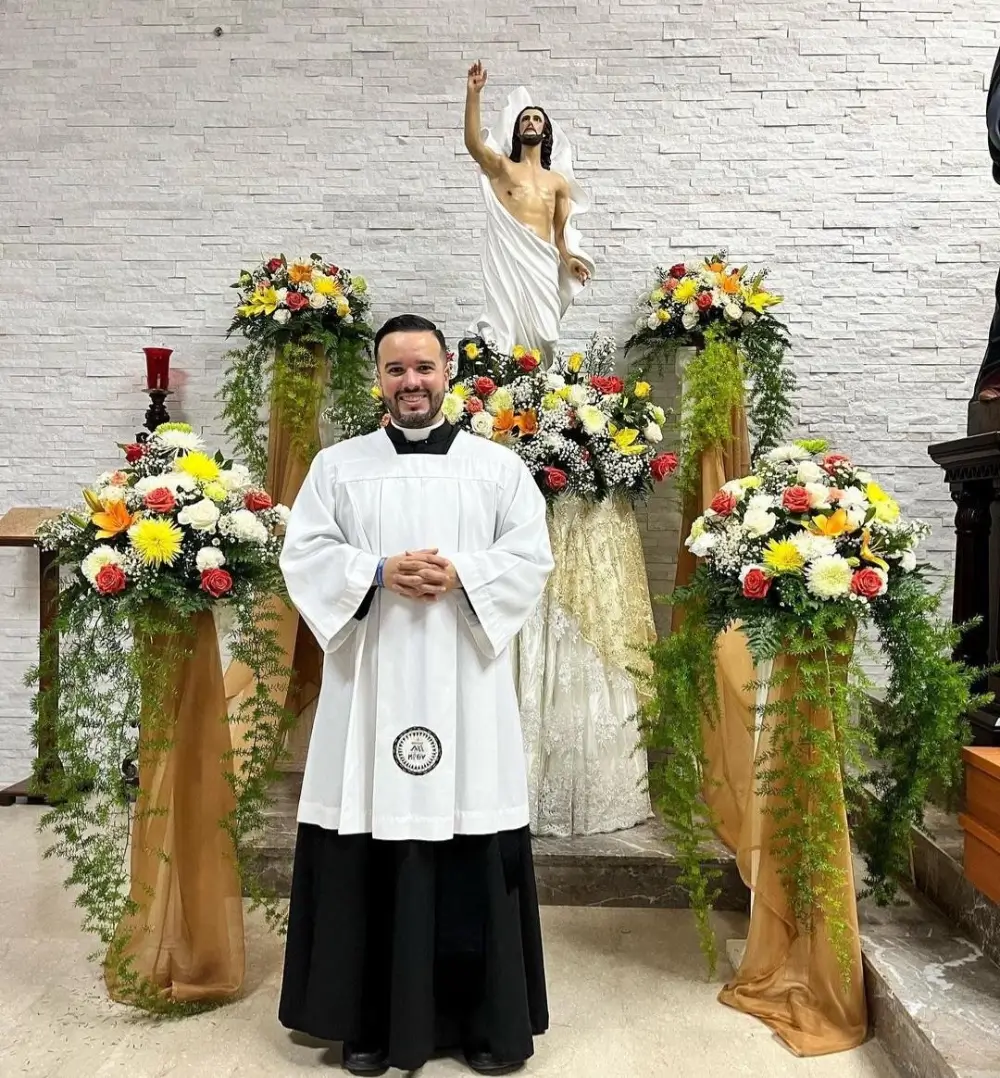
(652,322)
(653,433)
(691,316)
(201,515)
(749,317)
(819,495)
(282,315)
(95,561)
(209,558)
(554,381)
(702,545)
(908,562)
(482,424)
(733,311)
(578,395)
(809,472)
(758,522)
(592,418)
(317,300)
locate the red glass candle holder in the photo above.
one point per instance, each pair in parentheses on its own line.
(158,368)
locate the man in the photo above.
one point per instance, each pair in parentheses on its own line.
(532,263)
(988,382)
(415,554)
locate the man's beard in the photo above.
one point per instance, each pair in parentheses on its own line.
(416,420)
(532,138)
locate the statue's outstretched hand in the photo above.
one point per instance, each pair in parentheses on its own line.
(477,78)
(579,270)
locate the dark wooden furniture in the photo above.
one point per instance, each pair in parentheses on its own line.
(17,529)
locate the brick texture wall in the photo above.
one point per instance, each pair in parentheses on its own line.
(143,160)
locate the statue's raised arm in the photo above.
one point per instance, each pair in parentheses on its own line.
(533,263)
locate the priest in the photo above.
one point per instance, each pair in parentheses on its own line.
(414,555)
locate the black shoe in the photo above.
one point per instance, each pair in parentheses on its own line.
(368,1064)
(483,1062)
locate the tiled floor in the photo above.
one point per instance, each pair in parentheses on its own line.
(628,998)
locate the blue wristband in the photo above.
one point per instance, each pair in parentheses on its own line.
(379,578)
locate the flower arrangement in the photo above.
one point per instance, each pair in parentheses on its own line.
(298,318)
(580,430)
(170,536)
(688,297)
(171,523)
(802,530)
(797,555)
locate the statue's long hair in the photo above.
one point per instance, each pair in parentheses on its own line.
(546,145)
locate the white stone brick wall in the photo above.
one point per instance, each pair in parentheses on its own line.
(144,160)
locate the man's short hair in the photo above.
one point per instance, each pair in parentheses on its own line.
(410,323)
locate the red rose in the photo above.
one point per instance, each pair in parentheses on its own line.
(160,500)
(867,583)
(704,301)
(607,384)
(134,451)
(833,461)
(485,386)
(110,580)
(273,266)
(756,584)
(473,405)
(216,582)
(295,301)
(723,503)
(662,466)
(527,363)
(555,478)
(256,500)
(678,271)
(796,499)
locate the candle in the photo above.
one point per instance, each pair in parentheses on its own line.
(157,368)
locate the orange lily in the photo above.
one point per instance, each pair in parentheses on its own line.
(731,283)
(503,422)
(837,523)
(527,422)
(112,520)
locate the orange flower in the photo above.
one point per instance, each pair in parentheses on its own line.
(731,283)
(837,523)
(503,422)
(300,272)
(715,267)
(527,422)
(112,520)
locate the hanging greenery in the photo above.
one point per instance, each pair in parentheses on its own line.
(309,334)
(168,536)
(798,554)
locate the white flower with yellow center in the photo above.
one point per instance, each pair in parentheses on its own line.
(452,407)
(592,418)
(829,577)
(658,414)
(500,401)
(697,528)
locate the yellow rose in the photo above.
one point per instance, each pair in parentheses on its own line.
(642,389)
(471,351)
(519,351)
(575,362)
(662,315)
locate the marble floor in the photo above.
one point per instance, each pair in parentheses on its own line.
(628,997)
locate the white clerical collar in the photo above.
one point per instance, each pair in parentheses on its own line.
(417,434)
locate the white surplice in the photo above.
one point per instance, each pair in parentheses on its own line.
(417,732)
(527,287)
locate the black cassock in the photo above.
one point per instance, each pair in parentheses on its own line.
(418,947)
(989,373)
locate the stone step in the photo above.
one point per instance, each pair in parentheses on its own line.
(628,868)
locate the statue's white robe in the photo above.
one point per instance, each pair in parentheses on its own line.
(443,667)
(527,287)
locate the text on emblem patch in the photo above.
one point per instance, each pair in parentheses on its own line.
(417,750)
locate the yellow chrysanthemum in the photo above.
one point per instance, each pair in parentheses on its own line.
(564,392)
(551,401)
(575,362)
(751,482)
(471,351)
(685,291)
(156,541)
(199,466)
(460,391)
(326,286)
(783,556)
(642,389)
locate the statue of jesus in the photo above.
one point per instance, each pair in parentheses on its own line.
(533,264)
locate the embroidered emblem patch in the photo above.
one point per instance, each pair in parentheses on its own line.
(417,751)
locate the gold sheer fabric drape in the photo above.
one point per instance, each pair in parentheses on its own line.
(729,742)
(286,472)
(791,978)
(186,937)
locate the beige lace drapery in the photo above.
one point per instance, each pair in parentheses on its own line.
(186,936)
